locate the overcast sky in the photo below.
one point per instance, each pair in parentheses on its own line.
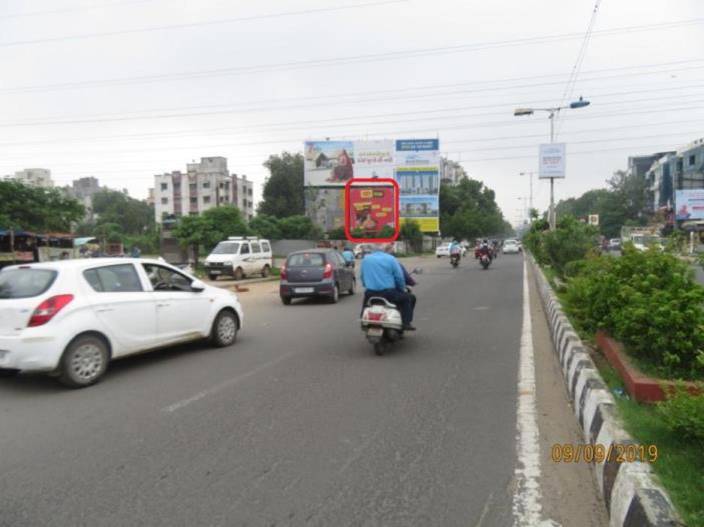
(125,89)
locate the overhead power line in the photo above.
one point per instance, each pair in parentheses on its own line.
(64,10)
(313,63)
(218,22)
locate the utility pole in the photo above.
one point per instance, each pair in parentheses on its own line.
(530,177)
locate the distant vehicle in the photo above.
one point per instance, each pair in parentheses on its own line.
(362,249)
(71,318)
(643,242)
(511,247)
(615,244)
(239,257)
(442,250)
(316,273)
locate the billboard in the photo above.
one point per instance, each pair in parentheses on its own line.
(328,163)
(370,207)
(413,163)
(551,161)
(689,204)
(326,206)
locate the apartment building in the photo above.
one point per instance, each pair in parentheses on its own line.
(204,185)
(35,177)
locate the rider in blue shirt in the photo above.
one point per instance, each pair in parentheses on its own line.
(383,276)
(348,255)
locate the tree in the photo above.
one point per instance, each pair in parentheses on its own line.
(266,227)
(469,210)
(37,209)
(410,232)
(133,216)
(283,190)
(298,228)
(210,228)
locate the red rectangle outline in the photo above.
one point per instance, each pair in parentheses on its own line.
(397,199)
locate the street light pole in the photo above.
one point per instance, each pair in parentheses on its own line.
(530,178)
(552,112)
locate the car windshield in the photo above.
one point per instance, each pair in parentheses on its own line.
(226,248)
(25,283)
(306,260)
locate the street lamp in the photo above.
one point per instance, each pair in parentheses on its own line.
(518,112)
(525,211)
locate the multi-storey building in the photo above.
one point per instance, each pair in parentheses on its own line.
(205,184)
(36,177)
(243,195)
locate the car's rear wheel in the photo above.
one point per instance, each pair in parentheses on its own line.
(84,362)
(225,327)
(335,294)
(212,277)
(238,274)
(265,271)
(353,287)
(286,300)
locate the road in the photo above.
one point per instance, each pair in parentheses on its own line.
(300,424)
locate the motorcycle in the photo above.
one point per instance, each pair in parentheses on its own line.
(485,260)
(455,259)
(381,322)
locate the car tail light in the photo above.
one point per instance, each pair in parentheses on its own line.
(327,272)
(282,272)
(47,309)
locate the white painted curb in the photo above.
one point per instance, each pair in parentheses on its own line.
(632,496)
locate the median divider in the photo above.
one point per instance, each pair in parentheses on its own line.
(630,490)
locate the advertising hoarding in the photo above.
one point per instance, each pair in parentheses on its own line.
(328,163)
(689,204)
(371,205)
(551,161)
(413,163)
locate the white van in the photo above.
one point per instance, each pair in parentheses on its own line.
(238,257)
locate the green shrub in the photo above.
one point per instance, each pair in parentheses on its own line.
(647,300)
(572,240)
(683,414)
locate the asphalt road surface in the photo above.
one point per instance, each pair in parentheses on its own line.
(299,423)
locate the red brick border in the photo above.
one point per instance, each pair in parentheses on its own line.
(640,387)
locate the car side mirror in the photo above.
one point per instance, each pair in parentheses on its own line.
(197,286)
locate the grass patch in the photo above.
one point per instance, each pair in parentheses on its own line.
(680,463)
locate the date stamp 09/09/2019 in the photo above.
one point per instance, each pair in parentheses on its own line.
(598,453)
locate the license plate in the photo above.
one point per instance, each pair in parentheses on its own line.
(214,272)
(375,332)
(304,290)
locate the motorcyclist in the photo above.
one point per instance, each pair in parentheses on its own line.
(455,248)
(485,249)
(348,255)
(382,275)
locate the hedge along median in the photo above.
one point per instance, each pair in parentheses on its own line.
(649,303)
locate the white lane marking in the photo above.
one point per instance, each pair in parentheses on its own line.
(225,384)
(527,509)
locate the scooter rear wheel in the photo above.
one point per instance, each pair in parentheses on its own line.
(379,348)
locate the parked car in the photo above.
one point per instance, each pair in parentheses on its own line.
(316,272)
(615,244)
(239,257)
(72,317)
(511,247)
(442,250)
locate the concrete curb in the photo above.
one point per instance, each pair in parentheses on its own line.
(631,493)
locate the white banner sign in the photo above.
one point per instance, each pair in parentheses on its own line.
(551,161)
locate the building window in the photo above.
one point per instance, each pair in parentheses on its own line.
(249,191)
(194,200)
(206,199)
(193,188)
(206,184)
(692,160)
(164,201)
(164,186)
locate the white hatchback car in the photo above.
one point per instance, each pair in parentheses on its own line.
(511,247)
(72,317)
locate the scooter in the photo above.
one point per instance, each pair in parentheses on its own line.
(455,260)
(381,322)
(485,260)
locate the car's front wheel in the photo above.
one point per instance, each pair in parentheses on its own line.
(265,271)
(353,287)
(225,327)
(238,274)
(84,362)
